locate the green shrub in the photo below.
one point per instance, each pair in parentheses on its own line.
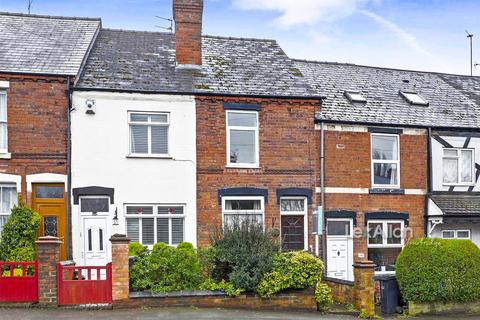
(323,296)
(167,269)
(227,287)
(291,270)
(136,249)
(243,254)
(206,259)
(439,270)
(19,234)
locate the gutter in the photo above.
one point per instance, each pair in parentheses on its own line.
(196,93)
(69,172)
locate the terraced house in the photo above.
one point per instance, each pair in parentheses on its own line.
(377,126)
(40,58)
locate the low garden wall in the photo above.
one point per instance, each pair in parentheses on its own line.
(300,300)
(443,308)
(343,291)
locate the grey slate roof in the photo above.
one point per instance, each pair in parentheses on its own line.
(44,44)
(449,107)
(458,204)
(145,61)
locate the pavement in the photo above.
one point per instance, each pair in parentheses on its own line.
(180,314)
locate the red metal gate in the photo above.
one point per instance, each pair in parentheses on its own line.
(84,285)
(19,281)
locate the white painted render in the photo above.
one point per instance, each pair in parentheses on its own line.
(100,149)
(46,178)
(437,156)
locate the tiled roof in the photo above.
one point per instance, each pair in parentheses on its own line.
(457,204)
(145,61)
(448,106)
(44,44)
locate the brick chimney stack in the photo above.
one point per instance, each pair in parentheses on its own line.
(187,15)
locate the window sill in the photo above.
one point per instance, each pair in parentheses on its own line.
(458,185)
(6,155)
(378,190)
(242,166)
(148,156)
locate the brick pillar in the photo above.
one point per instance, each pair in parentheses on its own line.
(48,255)
(120,275)
(364,287)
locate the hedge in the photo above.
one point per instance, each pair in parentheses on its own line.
(439,270)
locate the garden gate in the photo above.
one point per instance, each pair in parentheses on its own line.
(84,284)
(19,281)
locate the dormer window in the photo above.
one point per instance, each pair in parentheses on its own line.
(354,96)
(414,98)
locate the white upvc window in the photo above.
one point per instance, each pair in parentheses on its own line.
(3,123)
(385,156)
(456,234)
(458,166)
(149,133)
(294,209)
(8,198)
(242,139)
(385,241)
(149,224)
(241,208)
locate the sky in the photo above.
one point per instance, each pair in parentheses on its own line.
(406,34)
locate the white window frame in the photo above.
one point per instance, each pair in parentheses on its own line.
(149,137)
(155,216)
(385,245)
(242,128)
(455,233)
(303,213)
(349,220)
(7,214)
(244,212)
(459,167)
(5,151)
(378,161)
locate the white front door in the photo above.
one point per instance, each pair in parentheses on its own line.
(339,249)
(95,241)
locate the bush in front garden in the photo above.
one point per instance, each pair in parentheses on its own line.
(166,269)
(291,270)
(430,270)
(243,253)
(135,249)
(19,234)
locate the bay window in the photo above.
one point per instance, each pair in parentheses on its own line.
(385,161)
(149,133)
(242,139)
(8,198)
(149,224)
(238,209)
(385,241)
(458,166)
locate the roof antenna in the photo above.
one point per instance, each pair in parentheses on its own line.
(166,19)
(470,36)
(29,7)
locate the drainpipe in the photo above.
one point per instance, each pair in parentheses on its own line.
(429,180)
(322,196)
(68,237)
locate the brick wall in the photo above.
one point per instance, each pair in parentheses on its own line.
(348,165)
(37,126)
(288,157)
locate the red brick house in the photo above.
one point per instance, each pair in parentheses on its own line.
(256,144)
(40,57)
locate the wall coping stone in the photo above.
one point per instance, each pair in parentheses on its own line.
(175,294)
(340,281)
(119,239)
(49,240)
(364,264)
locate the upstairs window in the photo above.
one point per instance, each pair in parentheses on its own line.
(242,138)
(149,133)
(458,166)
(3,123)
(385,161)
(414,98)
